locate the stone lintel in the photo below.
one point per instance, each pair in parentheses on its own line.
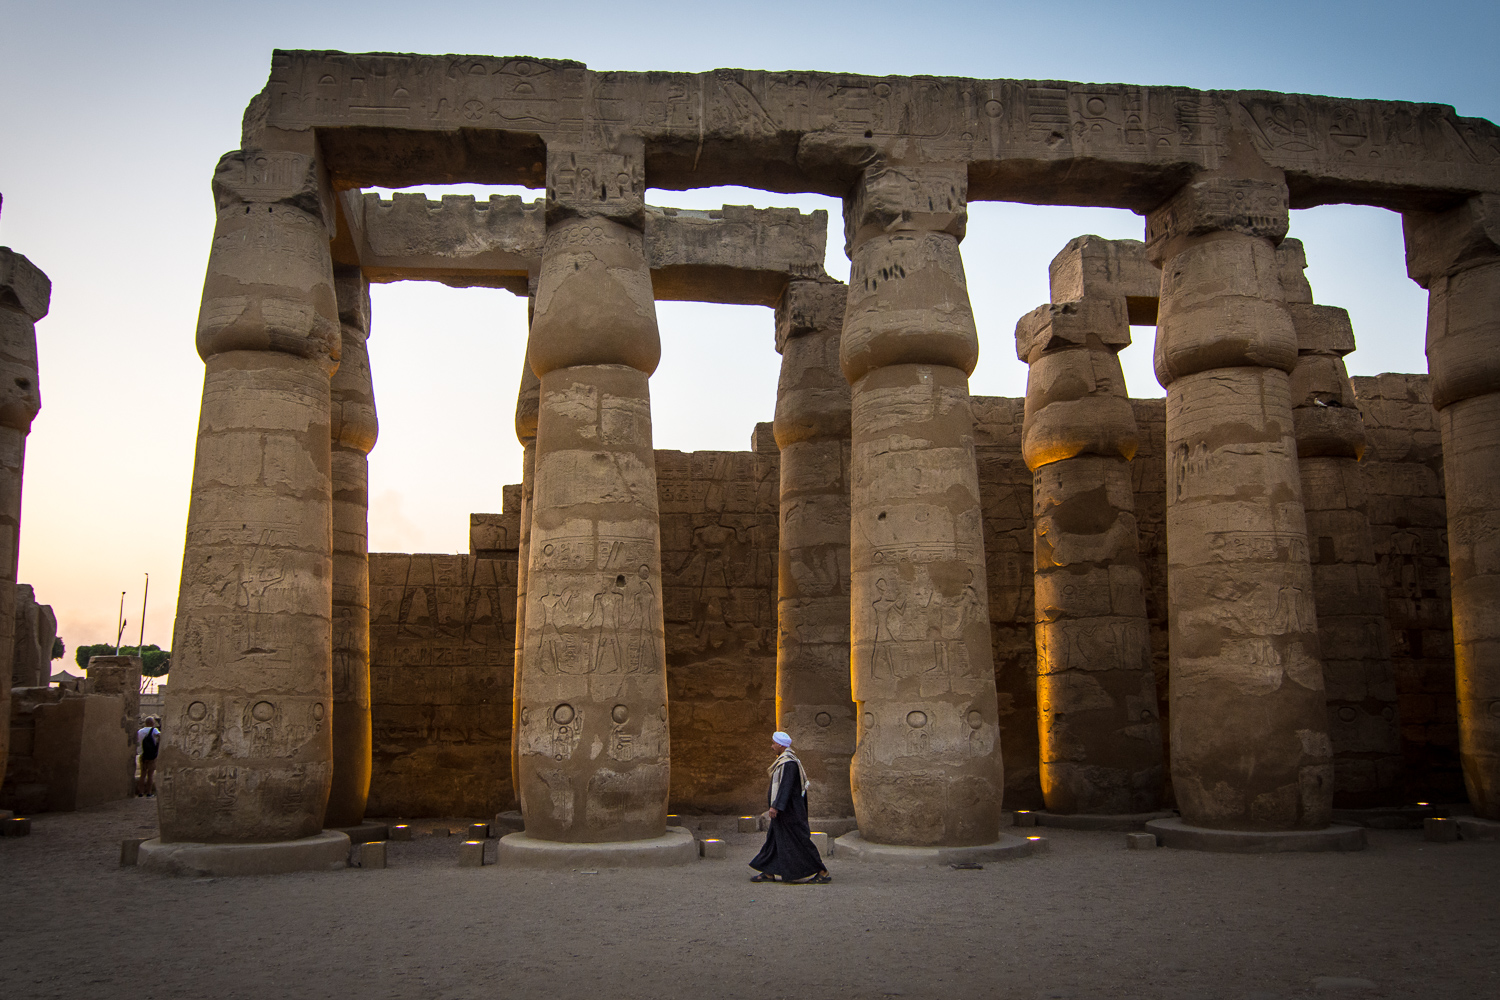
(1443,243)
(1211,204)
(737,254)
(1070,324)
(1322,329)
(396,120)
(1091,267)
(810,307)
(352,289)
(494,536)
(907,197)
(23,286)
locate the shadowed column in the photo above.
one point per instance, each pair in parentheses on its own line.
(25,294)
(353,431)
(1249,738)
(1455,255)
(246,752)
(1100,735)
(594,762)
(527,401)
(1352,630)
(927,770)
(813,702)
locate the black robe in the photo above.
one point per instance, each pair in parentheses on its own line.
(789,850)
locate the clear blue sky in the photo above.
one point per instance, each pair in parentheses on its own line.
(112,115)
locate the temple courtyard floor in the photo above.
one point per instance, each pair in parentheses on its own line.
(1086,919)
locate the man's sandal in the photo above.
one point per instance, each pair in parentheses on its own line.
(763,877)
(822,879)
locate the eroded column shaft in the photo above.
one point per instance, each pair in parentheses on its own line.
(594,759)
(527,401)
(1353,634)
(1249,738)
(1456,257)
(353,431)
(927,768)
(247,748)
(813,702)
(25,294)
(1100,736)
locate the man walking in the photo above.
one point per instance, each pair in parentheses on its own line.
(789,854)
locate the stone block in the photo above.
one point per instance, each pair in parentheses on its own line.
(401,831)
(821,842)
(130,850)
(1140,841)
(493,536)
(324,851)
(16,826)
(1039,844)
(1440,829)
(371,854)
(471,854)
(1025,817)
(479,831)
(1474,828)
(713,848)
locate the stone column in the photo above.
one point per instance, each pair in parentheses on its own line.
(527,402)
(594,762)
(25,294)
(1455,255)
(1352,630)
(927,769)
(246,750)
(813,702)
(1249,738)
(353,431)
(1100,735)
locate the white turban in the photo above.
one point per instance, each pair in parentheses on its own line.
(781,739)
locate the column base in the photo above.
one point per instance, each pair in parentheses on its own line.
(1176,833)
(1385,817)
(851,846)
(834,826)
(322,852)
(510,821)
(1109,822)
(364,833)
(1474,828)
(675,847)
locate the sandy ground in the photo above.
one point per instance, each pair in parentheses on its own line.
(1088,919)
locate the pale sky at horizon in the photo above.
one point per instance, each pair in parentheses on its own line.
(112,116)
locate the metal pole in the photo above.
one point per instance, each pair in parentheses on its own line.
(120,630)
(141,643)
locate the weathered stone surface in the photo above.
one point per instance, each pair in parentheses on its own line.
(813,703)
(68,751)
(352,433)
(483,119)
(25,295)
(1100,736)
(1456,256)
(927,770)
(246,753)
(1353,634)
(35,631)
(1249,744)
(1403,464)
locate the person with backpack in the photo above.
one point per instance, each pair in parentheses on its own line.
(149,740)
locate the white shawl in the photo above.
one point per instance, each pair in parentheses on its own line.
(775,772)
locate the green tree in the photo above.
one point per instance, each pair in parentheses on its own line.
(155,661)
(58,649)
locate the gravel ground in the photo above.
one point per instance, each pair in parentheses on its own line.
(1088,919)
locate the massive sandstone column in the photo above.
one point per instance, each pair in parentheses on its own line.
(1249,738)
(353,431)
(1101,750)
(594,760)
(1352,630)
(247,750)
(1455,255)
(25,294)
(527,402)
(813,702)
(927,770)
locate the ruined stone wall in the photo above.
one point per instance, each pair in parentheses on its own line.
(1408,519)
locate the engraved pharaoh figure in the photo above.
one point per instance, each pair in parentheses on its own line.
(884,654)
(607,618)
(640,599)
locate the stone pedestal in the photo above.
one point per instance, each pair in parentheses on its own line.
(1249,739)
(1180,834)
(927,770)
(246,754)
(813,702)
(1100,735)
(854,847)
(1455,255)
(352,434)
(327,850)
(675,846)
(593,761)
(1353,633)
(25,295)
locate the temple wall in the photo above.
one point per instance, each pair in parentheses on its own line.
(1409,523)
(443,625)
